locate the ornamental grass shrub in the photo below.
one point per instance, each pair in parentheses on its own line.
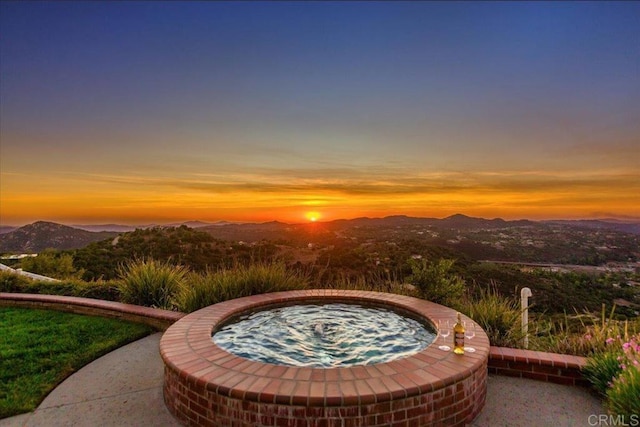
(375,281)
(200,291)
(498,315)
(151,283)
(210,288)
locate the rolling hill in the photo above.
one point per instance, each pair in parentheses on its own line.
(43,235)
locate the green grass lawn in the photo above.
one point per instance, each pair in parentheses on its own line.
(40,348)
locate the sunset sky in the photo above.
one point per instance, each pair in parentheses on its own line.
(146,112)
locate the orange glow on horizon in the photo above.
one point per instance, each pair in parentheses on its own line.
(91,200)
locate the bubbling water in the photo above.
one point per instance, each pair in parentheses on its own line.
(327,335)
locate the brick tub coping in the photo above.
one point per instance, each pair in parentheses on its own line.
(155,317)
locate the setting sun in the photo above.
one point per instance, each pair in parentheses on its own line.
(312,216)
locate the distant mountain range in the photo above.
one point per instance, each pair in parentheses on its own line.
(43,235)
(124,228)
(454,221)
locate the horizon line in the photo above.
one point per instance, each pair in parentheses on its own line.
(152,223)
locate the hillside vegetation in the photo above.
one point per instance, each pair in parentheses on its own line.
(369,254)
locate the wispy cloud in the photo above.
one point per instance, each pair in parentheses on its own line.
(377,182)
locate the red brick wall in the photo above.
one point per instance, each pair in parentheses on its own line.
(454,405)
(536,365)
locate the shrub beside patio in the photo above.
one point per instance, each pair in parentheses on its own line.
(213,287)
(615,373)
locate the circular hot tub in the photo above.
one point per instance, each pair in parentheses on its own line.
(207,385)
(327,335)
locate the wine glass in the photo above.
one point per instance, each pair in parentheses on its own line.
(445,331)
(469,333)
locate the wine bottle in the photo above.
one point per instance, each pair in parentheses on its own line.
(458,337)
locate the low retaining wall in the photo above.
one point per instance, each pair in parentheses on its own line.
(155,317)
(536,365)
